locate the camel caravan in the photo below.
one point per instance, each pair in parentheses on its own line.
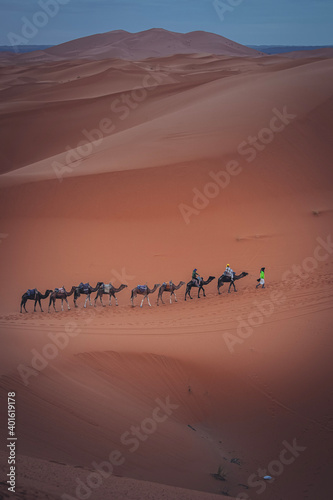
(143,291)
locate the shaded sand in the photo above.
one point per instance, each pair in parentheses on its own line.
(48,480)
(246,372)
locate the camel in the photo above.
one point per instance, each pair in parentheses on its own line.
(110,290)
(34,295)
(86,289)
(169,287)
(226,279)
(199,284)
(60,293)
(143,290)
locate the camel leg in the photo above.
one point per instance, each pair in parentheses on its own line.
(188,292)
(116,300)
(85,302)
(142,301)
(160,298)
(67,303)
(23,302)
(175,298)
(40,305)
(171,298)
(62,305)
(37,300)
(148,301)
(89,299)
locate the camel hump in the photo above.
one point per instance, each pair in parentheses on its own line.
(142,287)
(31,292)
(84,286)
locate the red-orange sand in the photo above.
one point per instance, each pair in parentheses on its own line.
(240,382)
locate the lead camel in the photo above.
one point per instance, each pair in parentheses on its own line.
(226,279)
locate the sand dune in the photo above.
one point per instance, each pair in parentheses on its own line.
(151,43)
(157,196)
(163,103)
(325,53)
(54,479)
(119,44)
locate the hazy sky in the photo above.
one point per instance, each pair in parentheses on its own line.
(272,22)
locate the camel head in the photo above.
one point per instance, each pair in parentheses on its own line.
(211,278)
(243,274)
(122,286)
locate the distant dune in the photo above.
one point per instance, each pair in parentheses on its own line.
(137,46)
(281,49)
(325,53)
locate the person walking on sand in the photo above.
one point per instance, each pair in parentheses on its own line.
(262,278)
